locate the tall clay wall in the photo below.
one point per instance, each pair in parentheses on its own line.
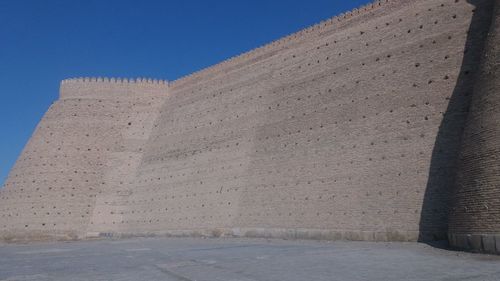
(349,129)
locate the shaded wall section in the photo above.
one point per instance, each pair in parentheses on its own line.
(434,217)
(475,216)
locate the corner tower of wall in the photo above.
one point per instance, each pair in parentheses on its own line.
(475,216)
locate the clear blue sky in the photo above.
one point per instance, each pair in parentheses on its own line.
(43,42)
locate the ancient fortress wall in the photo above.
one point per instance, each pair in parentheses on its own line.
(350,129)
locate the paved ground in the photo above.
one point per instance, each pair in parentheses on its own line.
(181,259)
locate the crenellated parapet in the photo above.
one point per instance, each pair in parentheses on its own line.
(98,87)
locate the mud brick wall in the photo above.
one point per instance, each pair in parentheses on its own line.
(349,129)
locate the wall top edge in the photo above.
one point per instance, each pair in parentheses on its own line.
(101,80)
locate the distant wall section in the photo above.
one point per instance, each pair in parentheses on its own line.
(74,156)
